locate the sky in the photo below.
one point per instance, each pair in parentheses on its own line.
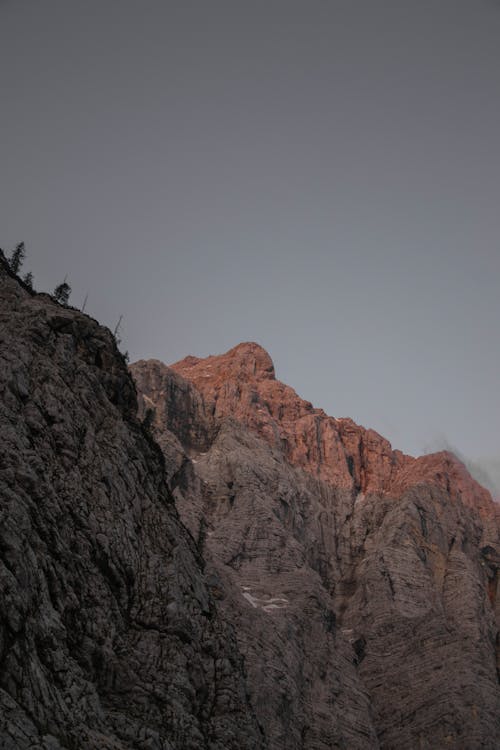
(319,176)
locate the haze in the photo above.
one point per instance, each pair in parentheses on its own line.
(320,177)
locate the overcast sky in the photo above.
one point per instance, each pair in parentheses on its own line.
(322,177)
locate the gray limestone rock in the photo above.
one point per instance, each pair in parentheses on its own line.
(109,636)
(320,592)
(366,619)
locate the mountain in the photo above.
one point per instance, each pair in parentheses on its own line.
(362,583)
(109,635)
(204,561)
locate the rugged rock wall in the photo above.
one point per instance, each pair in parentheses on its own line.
(362,582)
(109,636)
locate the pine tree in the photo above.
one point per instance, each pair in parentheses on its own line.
(61,293)
(28,279)
(17,258)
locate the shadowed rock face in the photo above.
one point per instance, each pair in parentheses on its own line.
(109,636)
(362,582)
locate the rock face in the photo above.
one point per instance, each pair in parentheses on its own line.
(109,636)
(328,592)
(362,582)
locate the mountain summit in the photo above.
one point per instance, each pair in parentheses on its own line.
(245,361)
(362,582)
(205,561)
(241,383)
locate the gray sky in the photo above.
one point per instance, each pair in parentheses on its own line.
(322,177)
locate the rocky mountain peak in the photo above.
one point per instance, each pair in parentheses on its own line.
(362,581)
(358,584)
(245,362)
(241,384)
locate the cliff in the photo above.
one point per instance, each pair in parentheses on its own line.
(258,575)
(109,636)
(362,582)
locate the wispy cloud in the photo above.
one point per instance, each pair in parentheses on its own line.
(485,470)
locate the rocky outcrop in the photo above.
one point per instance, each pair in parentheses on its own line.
(362,582)
(329,592)
(109,635)
(242,384)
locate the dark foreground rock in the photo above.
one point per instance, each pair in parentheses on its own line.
(362,582)
(109,635)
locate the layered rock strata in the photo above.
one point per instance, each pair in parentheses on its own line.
(109,635)
(362,582)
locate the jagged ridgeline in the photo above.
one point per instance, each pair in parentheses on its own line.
(318,591)
(363,582)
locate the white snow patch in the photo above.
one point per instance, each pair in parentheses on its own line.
(253,601)
(264,602)
(274,604)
